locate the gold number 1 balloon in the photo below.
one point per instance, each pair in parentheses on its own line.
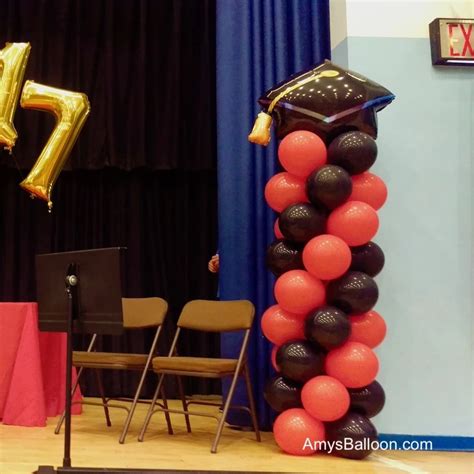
(13,59)
(71,110)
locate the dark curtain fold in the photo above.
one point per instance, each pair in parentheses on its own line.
(147,67)
(167,220)
(143,172)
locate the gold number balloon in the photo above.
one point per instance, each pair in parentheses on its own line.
(13,59)
(71,110)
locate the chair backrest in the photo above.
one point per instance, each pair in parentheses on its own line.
(143,312)
(217,316)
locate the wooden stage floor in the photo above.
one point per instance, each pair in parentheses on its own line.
(95,445)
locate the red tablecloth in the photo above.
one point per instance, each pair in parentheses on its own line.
(32,368)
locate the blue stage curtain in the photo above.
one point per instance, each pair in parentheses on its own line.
(259,43)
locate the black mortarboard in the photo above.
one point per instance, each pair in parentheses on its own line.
(327,100)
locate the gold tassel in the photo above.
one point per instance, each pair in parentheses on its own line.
(260,133)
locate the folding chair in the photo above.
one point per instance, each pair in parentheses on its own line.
(211,316)
(138,313)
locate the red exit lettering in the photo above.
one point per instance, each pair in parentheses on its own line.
(465,37)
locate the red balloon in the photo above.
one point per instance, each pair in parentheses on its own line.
(368,328)
(354,364)
(284,189)
(279,326)
(327,257)
(302,152)
(369,188)
(274,358)
(276,229)
(292,430)
(355,222)
(325,398)
(299,292)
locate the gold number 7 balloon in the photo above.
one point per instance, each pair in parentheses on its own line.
(70,110)
(13,60)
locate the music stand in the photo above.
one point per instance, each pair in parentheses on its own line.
(79,292)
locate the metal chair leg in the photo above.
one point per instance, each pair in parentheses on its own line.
(128,420)
(102,395)
(73,391)
(253,413)
(220,426)
(167,415)
(150,410)
(183,401)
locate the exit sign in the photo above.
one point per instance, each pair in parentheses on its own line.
(452,42)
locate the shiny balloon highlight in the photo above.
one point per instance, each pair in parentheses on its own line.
(368,328)
(284,189)
(369,188)
(369,400)
(283,256)
(301,152)
(328,327)
(354,151)
(282,394)
(325,398)
(293,428)
(354,292)
(354,364)
(299,360)
(356,428)
(355,222)
(368,258)
(301,222)
(329,186)
(299,292)
(279,326)
(70,110)
(327,257)
(13,60)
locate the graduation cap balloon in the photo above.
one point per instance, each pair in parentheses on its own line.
(326,99)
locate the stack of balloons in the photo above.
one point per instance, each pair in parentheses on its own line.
(323,327)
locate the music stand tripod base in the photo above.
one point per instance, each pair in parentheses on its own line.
(79,292)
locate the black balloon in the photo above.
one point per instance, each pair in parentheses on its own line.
(354,292)
(367,258)
(282,394)
(283,256)
(354,151)
(327,326)
(300,360)
(301,222)
(325,99)
(355,427)
(329,186)
(368,400)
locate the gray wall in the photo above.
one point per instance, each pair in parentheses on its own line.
(426,152)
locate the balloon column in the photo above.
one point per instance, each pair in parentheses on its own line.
(323,327)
